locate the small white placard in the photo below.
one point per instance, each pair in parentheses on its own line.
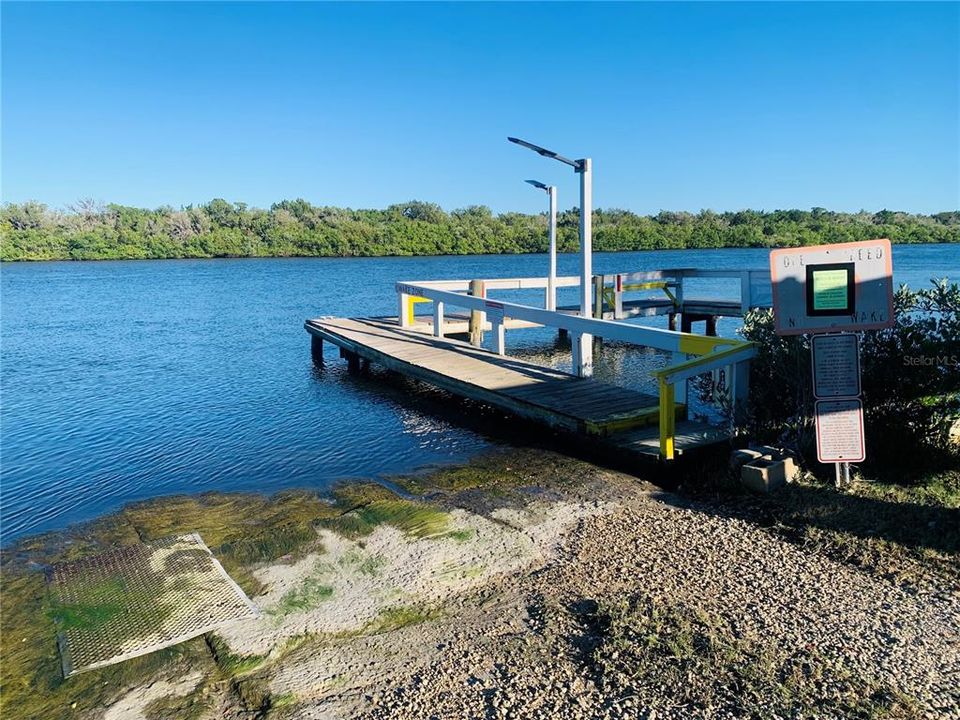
(840,431)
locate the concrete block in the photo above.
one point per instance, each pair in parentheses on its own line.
(764,475)
(739,458)
(771,452)
(790,468)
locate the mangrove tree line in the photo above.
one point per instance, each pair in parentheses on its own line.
(92,231)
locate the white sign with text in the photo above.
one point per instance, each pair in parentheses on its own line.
(840,431)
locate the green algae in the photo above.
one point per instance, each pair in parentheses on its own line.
(372,566)
(100,605)
(464,535)
(394,618)
(368,506)
(310,593)
(243,531)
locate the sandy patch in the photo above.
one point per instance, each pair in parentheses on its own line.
(132,705)
(354,585)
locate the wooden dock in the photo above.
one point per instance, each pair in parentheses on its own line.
(606,413)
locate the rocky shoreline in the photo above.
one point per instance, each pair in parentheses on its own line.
(525,585)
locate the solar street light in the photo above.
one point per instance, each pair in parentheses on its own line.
(551,190)
(583,346)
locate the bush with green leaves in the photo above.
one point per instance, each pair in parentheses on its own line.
(910,386)
(92,231)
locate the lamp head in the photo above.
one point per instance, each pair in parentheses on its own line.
(575,164)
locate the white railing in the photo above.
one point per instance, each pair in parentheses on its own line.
(754,286)
(708,353)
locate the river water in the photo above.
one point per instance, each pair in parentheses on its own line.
(123,381)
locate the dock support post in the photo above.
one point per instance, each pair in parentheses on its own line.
(475,324)
(438,318)
(672,321)
(562,333)
(499,337)
(712,325)
(353,360)
(582,346)
(668,420)
(598,297)
(404,311)
(686,322)
(316,349)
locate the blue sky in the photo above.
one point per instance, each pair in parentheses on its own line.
(681,106)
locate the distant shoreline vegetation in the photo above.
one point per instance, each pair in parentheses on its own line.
(296,228)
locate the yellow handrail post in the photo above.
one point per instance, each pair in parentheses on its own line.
(668,419)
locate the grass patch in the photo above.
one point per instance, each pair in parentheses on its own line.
(910,534)
(398,617)
(463,535)
(671,654)
(309,594)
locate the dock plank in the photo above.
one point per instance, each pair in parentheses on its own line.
(622,416)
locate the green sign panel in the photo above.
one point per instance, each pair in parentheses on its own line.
(829,289)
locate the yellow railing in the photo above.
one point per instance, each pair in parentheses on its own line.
(710,359)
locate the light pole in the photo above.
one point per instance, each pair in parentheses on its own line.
(582,343)
(551,190)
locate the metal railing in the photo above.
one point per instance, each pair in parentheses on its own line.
(754,288)
(708,352)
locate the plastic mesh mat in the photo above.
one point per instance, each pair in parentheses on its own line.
(138,599)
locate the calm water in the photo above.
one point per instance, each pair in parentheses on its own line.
(127,380)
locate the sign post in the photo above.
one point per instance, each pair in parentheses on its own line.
(831,292)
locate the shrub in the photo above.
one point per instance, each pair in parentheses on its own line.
(910,385)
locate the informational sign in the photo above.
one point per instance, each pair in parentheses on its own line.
(836,366)
(840,431)
(494,310)
(830,288)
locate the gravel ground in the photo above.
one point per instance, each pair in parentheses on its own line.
(537,644)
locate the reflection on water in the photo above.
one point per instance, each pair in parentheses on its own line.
(126,380)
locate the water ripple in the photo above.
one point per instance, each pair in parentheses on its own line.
(124,381)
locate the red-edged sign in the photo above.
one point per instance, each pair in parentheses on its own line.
(840,431)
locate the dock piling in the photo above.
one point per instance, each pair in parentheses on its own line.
(476,316)
(353,360)
(316,349)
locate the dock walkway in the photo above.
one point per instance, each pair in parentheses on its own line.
(621,416)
